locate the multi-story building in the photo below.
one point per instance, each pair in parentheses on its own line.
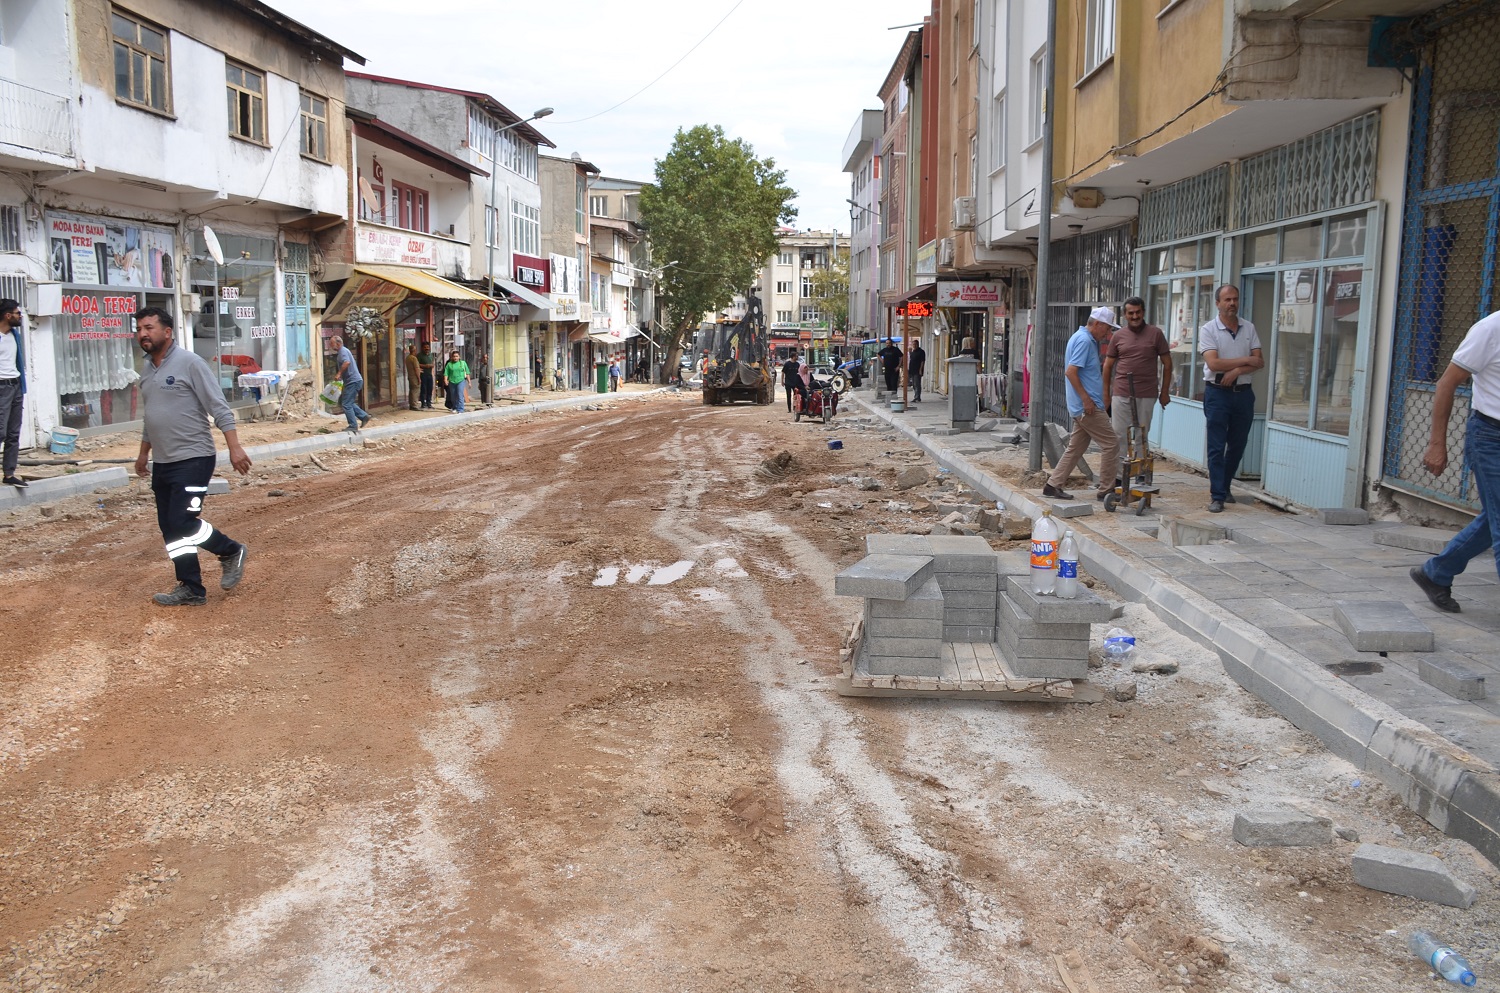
(621,281)
(797,312)
(565,243)
(501,228)
(898,235)
(862,162)
(137,143)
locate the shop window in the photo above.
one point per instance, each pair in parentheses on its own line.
(408,207)
(98,362)
(236,329)
(246,93)
(142,62)
(314,126)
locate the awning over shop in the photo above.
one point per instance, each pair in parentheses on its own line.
(614,337)
(382,287)
(529,297)
(421,281)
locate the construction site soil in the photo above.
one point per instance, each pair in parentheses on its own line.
(548,706)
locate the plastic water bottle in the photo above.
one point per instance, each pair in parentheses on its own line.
(1444,960)
(1118,643)
(1067,567)
(1043,554)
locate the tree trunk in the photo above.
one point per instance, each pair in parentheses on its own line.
(673,355)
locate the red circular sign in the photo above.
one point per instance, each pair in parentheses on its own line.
(489,311)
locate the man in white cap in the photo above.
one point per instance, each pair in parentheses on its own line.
(1084,374)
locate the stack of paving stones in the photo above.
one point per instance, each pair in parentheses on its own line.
(1045,637)
(967,571)
(903,613)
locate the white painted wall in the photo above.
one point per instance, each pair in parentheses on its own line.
(1013,33)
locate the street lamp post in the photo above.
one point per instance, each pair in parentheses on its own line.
(493,236)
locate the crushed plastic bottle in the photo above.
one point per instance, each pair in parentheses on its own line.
(1443,960)
(1118,643)
(1067,567)
(1044,554)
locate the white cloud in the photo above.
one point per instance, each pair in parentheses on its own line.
(789,76)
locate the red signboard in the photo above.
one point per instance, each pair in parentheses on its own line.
(915,308)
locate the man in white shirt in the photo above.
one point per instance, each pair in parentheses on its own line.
(12,389)
(1231,355)
(1478,356)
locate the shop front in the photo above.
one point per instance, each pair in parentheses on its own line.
(108,269)
(234,327)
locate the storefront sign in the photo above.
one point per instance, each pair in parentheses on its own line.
(967,294)
(915,308)
(99,316)
(531,271)
(564,286)
(103,251)
(394,247)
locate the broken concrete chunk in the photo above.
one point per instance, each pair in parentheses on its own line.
(1281,829)
(1395,870)
(910,476)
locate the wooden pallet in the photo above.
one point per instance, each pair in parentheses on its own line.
(976,671)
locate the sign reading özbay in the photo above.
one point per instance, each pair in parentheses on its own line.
(394,247)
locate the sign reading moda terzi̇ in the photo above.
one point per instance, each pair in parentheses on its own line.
(968,294)
(394,248)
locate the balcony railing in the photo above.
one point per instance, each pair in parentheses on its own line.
(33,119)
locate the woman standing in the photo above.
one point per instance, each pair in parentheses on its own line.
(456,375)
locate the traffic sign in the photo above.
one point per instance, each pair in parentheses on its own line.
(489,311)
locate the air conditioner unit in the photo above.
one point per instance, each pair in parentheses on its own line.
(945,252)
(320,301)
(963,214)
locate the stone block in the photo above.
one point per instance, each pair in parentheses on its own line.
(1281,829)
(1452,677)
(925,604)
(961,554)
(1086,608)
(1474,812)
(1071,508)
(1014,562)
(899,665)
(1034,667)
(1428,541)
(970,599)
(903,627)
(1043,648)
(965,634)
(897,544)
(1415,874)
(1343,516)
(1009,617)
(1383,626)
(919,648)
(954,617)
(967,582)
(884,577)
(218,486)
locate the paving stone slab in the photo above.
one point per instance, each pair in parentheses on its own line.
(1382,626)
(884,577)
(970,600)
(1037,667)
(897,544)
(926,603)
(1454,677)
(1014,562)
(1009,617)
(967,582)
(898,665)
(1086,608)
(218,486)
(1067,509)
(968,634)
(1343,516)
(1043,648)
(1428,541)
(1414,874)
(919,648)
(961,554)
(903,627)
(1281,829)
(959,617)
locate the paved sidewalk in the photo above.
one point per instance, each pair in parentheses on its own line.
(1264,588)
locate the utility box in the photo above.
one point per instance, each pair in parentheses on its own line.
(601,377)
(963,391)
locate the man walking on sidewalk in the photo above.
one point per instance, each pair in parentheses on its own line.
(1134,351)
(348,374)
(1085,386)
(1231,354)
(916,364)
(791,378)
(12,389)
(1478,356)
(179,393)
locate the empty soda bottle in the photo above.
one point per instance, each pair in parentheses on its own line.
(1443,960)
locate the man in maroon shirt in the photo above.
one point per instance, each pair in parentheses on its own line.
(1135,350)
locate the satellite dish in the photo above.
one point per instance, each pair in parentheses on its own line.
(367,194)
(212,241)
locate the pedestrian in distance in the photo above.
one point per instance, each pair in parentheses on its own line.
(347,373)
(413,377)
(1477,357)
(12,388)
(916,365)
(968,347)
(456,375)
(425,362)
(1231,355)
(791,378)
(615,375)
(1084,379)
(1138,350)
(179,393)
(890,364)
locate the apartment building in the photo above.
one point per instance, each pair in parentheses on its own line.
(863,164)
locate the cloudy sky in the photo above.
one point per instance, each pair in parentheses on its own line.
(788,76)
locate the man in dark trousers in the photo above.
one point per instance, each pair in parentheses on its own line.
(12,388)
(916,364)
(791,378)
(890,361)
(179,393)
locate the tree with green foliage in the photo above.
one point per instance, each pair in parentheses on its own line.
(831,286)
(712,214)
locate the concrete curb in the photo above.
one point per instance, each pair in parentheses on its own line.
(75,484)
(1453,790)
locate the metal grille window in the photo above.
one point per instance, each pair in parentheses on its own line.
(314,126)
(1450,236)
(1325,171)
(10,229)
(1194,206)
(13,287)
(142,61)
(1086,271)
(246,93)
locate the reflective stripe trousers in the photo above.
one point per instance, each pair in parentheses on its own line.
(180,488)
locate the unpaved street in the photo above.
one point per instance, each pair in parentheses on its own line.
(546,706)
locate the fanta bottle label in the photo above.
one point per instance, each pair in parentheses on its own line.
(1044,555)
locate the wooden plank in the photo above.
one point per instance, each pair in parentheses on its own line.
(967,668)
(993,671)
(978,674)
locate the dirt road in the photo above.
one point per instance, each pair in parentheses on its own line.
(547,707)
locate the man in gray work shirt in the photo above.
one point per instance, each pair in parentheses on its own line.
(179,392)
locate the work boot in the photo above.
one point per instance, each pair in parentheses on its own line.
(234,569)
(180,596)
(1441,596)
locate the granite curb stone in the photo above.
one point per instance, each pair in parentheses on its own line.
(1414,874)
(1281,829)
